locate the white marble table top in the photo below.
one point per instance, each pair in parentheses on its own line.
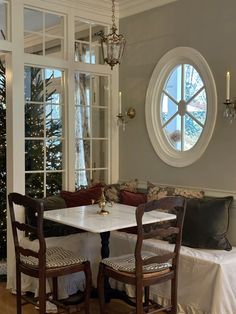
(86,217)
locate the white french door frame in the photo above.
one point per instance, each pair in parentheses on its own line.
(16,59)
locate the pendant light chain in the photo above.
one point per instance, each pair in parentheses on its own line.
(113,15)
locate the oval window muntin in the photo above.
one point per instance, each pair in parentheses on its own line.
(176,56)
(165,79)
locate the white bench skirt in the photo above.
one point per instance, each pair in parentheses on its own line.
(85,244)
(207,278)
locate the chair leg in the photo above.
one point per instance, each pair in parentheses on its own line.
(18,292)
(54,288)
(88,287)
(147,297)
(100,287)
(42,294)
(174,296)
(139,299)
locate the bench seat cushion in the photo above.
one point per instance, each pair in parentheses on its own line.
(207,278)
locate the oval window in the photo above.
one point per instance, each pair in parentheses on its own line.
(181,106)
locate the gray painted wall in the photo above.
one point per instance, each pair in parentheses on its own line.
(208,26)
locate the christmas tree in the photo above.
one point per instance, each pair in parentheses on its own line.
(40,90)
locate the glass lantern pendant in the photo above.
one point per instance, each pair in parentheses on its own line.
(112,44)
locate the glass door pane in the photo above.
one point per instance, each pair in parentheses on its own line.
(44,130)
(91,128)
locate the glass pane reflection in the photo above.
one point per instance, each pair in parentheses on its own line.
(34,184)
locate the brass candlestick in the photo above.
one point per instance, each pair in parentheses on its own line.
(102,204)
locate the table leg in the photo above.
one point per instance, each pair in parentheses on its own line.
(105,236)
(105,251)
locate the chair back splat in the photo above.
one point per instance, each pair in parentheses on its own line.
(45,262)
(144,269)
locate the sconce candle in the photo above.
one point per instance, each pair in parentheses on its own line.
(119,102)
(227,85)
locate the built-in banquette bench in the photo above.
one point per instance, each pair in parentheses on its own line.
(207,278)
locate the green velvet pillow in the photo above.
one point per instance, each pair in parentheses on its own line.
(50,228)
(206,223)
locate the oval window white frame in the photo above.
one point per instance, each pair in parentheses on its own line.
(176,56)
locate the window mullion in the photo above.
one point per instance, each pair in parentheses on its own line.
(45,133)
(44,36)
(182,82)
(90,117)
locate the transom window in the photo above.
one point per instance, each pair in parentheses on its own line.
(181,106)
(4,20)
(87,45)
(44,33)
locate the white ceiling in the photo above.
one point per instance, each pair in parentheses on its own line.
(130,7)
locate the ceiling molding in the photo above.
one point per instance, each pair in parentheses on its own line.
(123,8)
(101,7)
(131,7)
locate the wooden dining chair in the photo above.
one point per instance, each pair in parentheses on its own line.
(45,262)
(143,269)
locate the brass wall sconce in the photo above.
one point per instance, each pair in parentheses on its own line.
(230,109)
(230,104)
(124,117)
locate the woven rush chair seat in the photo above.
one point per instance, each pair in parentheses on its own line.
(126,263)
(55,257)
(44,263)
(144,269)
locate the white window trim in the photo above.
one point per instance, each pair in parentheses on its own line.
(160,144)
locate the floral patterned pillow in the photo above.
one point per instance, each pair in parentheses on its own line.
(189,193)
(155,192)
(131,186)
(112,191)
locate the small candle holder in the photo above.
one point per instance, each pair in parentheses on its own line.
(102,202)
